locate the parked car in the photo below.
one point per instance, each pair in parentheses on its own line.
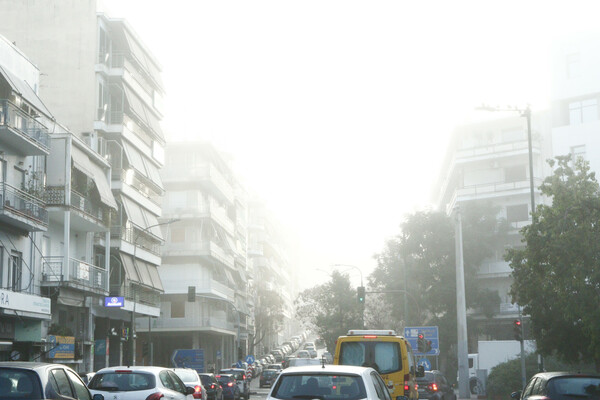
(268,377)
(303,354)
(231,390)
(213,388)
(275,366)
(560,385)
(435,386)
(240,376)
(191,379)
(310,347)
(134,383)
(278,355)
(35,380)
(328,357)
(333,382)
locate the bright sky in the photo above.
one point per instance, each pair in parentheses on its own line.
(337,113)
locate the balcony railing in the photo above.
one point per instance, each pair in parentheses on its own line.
(77,273)
(142,184)
(19,202)
(141,238)
(137,294)
(13,117)
(55,195)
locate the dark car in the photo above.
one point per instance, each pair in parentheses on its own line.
(214,391)
(559,386)
(231,390)
(268,376)
(242,380)
(434,385)
(35,380)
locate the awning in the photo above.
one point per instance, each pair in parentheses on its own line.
(141,164)
(142,112)
(81,162)
(143,59)
(149,275)
(22,88)
(142,218)
(129,268)
(103,187)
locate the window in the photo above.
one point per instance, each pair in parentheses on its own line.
(517,213)
(515,173)
(61,382)
(577,152)
(583,111)
(16,271)
(80,389)
(177,309)
(573,66)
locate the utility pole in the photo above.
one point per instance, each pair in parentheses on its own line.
(461,312)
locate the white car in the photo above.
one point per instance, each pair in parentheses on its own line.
(190,378)
(329,382)
(135,383)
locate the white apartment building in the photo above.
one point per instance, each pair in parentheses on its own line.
(25,123)
(489,161)
(104,84)
(204,258)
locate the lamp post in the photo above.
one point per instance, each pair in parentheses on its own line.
(133,333)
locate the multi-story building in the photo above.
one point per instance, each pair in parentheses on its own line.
(205,304)
(271,268)
(25,123)
(104,84)
(488,161)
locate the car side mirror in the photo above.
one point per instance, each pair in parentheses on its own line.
(420,371)
(515,395)
(189,390)
(98,396)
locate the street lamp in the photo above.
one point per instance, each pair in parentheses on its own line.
(133,333)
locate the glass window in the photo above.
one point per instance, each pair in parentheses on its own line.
(583,111)
(577,152)
(166,380)
(62,382)
(384,390)
(378,389)
(177,309)
(123,382)
(516,173)
(517,213)
(529,388)
(16,271)
(18,383)
(80,389)
(330,387)
(179,386)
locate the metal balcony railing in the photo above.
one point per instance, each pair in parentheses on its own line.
(22,203)
(77,272)
(55,195)
(13,117)
(142,239)
(137,294)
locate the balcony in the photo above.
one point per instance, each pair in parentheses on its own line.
(137,294)
(22,210)
(215,288)
(76,274)
(142,238)
(494,269)
(496,151)
(207,175)
(195,320)
(21,132)
(142,184)
(88,215)
(206,249)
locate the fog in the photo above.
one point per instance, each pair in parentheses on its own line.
(337,113)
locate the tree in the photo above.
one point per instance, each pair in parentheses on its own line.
(330,309)
(424,253)
(268,314)
(556,276)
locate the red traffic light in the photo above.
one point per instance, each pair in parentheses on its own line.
(517,322)
(421,336)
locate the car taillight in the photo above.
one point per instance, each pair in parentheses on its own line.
(230,384)
(198,389)
(212,385)
(155,396)
(244,377)
(406,383)
(433,387)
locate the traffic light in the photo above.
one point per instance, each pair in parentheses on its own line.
(427,346)
(518,330)
(421,343)
(145,349)
(360,291)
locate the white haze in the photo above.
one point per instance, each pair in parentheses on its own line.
(338,112)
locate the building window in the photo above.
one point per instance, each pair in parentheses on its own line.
(516,173)
(573,65)
(583,111)
(16,271)
(577,152)
(177,309)
(517,213)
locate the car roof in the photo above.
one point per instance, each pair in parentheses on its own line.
(554,374)
(327,369)
(132,369)
(32,365)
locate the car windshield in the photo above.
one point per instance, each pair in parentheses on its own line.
(19,383)
(427,378)
(319,386)
(206,380)
(569,387)
(122,382)
(383,356)
(187,375)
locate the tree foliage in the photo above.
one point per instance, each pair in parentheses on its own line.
(268,314)
(422,261)
(330,309)
(557,274)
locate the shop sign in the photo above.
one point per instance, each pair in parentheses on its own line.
(24,302)
(61,347)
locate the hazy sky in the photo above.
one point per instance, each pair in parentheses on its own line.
(337,113)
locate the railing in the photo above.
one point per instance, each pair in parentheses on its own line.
(142,184)
(55,195)
(78,272)
(137,294)
(13,117)
(142,239)
(22,203)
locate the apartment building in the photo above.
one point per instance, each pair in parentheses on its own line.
(102,82)
(25,125)
(488,161)
(271,268)
(205,304)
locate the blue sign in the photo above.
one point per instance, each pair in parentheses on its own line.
(239,364)
(188,358)
(430,334)
(425,363)
(250,359)
(61,346)
(114,301)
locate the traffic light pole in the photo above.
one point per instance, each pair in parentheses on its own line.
(523,373)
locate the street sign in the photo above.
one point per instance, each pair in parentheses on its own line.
(425,363)
(250,359)
(430,334)
(113,301)
(188,358)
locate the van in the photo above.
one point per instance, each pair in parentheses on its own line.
(388,353)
